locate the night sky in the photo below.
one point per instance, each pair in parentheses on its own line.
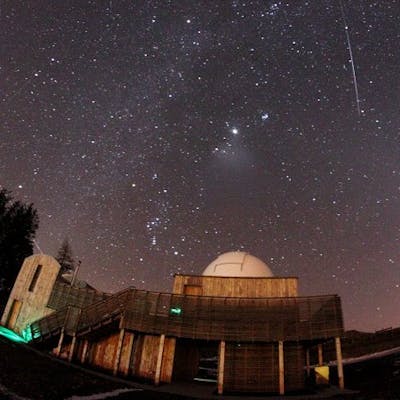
(156,135)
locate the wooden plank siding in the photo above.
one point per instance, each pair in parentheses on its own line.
(251,367)
(235,287)
(103,351)
(168,360)
(294,360)
(143,358)
(126,353)
(148,358)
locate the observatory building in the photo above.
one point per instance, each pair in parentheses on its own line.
(235,324)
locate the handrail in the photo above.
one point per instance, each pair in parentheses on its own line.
(207,317)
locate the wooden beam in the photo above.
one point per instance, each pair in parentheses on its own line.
(84,351)
(168,360)
(308,361)
(159,360)
(72,348)
(60,342)
(281,368)
(320,355)
(221,366)
(118,353)
(339,362)
(128,355)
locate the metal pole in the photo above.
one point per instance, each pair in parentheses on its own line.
(74,276)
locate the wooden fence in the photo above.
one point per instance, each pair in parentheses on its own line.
(210,318)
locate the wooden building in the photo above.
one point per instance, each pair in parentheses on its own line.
(255,326)
(30,294)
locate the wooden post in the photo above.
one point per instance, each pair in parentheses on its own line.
(221,366)
(308,361)
(119,348)
(84,351)
(339,362)
(281,369)
(320,356)
(72,348)
(159,360)
(60,342)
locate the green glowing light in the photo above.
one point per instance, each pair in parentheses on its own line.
(175,311)
(27,334)
(11,335)
(35,335)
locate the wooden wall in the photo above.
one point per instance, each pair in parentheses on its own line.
(148,358)
(253,367)
(235,287)
(168,360)
(126,353)
(32,304)
(102,352)
(143,361)
(294,360)
(138,354)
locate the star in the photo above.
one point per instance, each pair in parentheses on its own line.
(176,123)
(264,116)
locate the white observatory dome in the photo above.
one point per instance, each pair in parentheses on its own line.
(238,264)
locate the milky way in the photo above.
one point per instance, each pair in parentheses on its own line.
(156,135)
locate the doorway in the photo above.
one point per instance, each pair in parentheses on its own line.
(195,360)
(13,314)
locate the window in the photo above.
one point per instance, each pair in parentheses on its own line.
(35,278)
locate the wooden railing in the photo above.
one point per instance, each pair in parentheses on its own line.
(48,325)
(64,295)
(210,318)
(107,309)
(234,319)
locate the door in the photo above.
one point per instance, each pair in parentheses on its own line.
(13,314)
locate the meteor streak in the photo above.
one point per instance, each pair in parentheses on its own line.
(346,30)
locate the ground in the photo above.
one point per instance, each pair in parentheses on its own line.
(28,374)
